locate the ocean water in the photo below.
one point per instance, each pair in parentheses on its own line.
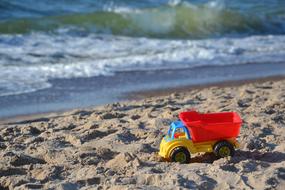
(42,42)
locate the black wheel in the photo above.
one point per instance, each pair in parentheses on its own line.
(181,155)
(224,149)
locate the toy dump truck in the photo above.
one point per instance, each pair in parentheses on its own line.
(196,132)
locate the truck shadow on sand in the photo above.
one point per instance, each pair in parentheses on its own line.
(241,155)
(271,157)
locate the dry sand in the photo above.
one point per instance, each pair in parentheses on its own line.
(115,146)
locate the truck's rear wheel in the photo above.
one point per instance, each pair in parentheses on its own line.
(181,155)
(224,149)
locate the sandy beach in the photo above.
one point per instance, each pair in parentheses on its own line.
(115,146)
(88,89)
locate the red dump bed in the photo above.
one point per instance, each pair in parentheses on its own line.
(211,126)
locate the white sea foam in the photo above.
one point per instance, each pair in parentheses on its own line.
(28,62)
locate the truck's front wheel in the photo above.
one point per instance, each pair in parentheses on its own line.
(181,155)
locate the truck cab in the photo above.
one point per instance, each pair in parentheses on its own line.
(177,136)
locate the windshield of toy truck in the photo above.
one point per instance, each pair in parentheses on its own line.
(172,126)
(177,127)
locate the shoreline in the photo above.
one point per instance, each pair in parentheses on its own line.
(182,89)
(66,94)
(138,95)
